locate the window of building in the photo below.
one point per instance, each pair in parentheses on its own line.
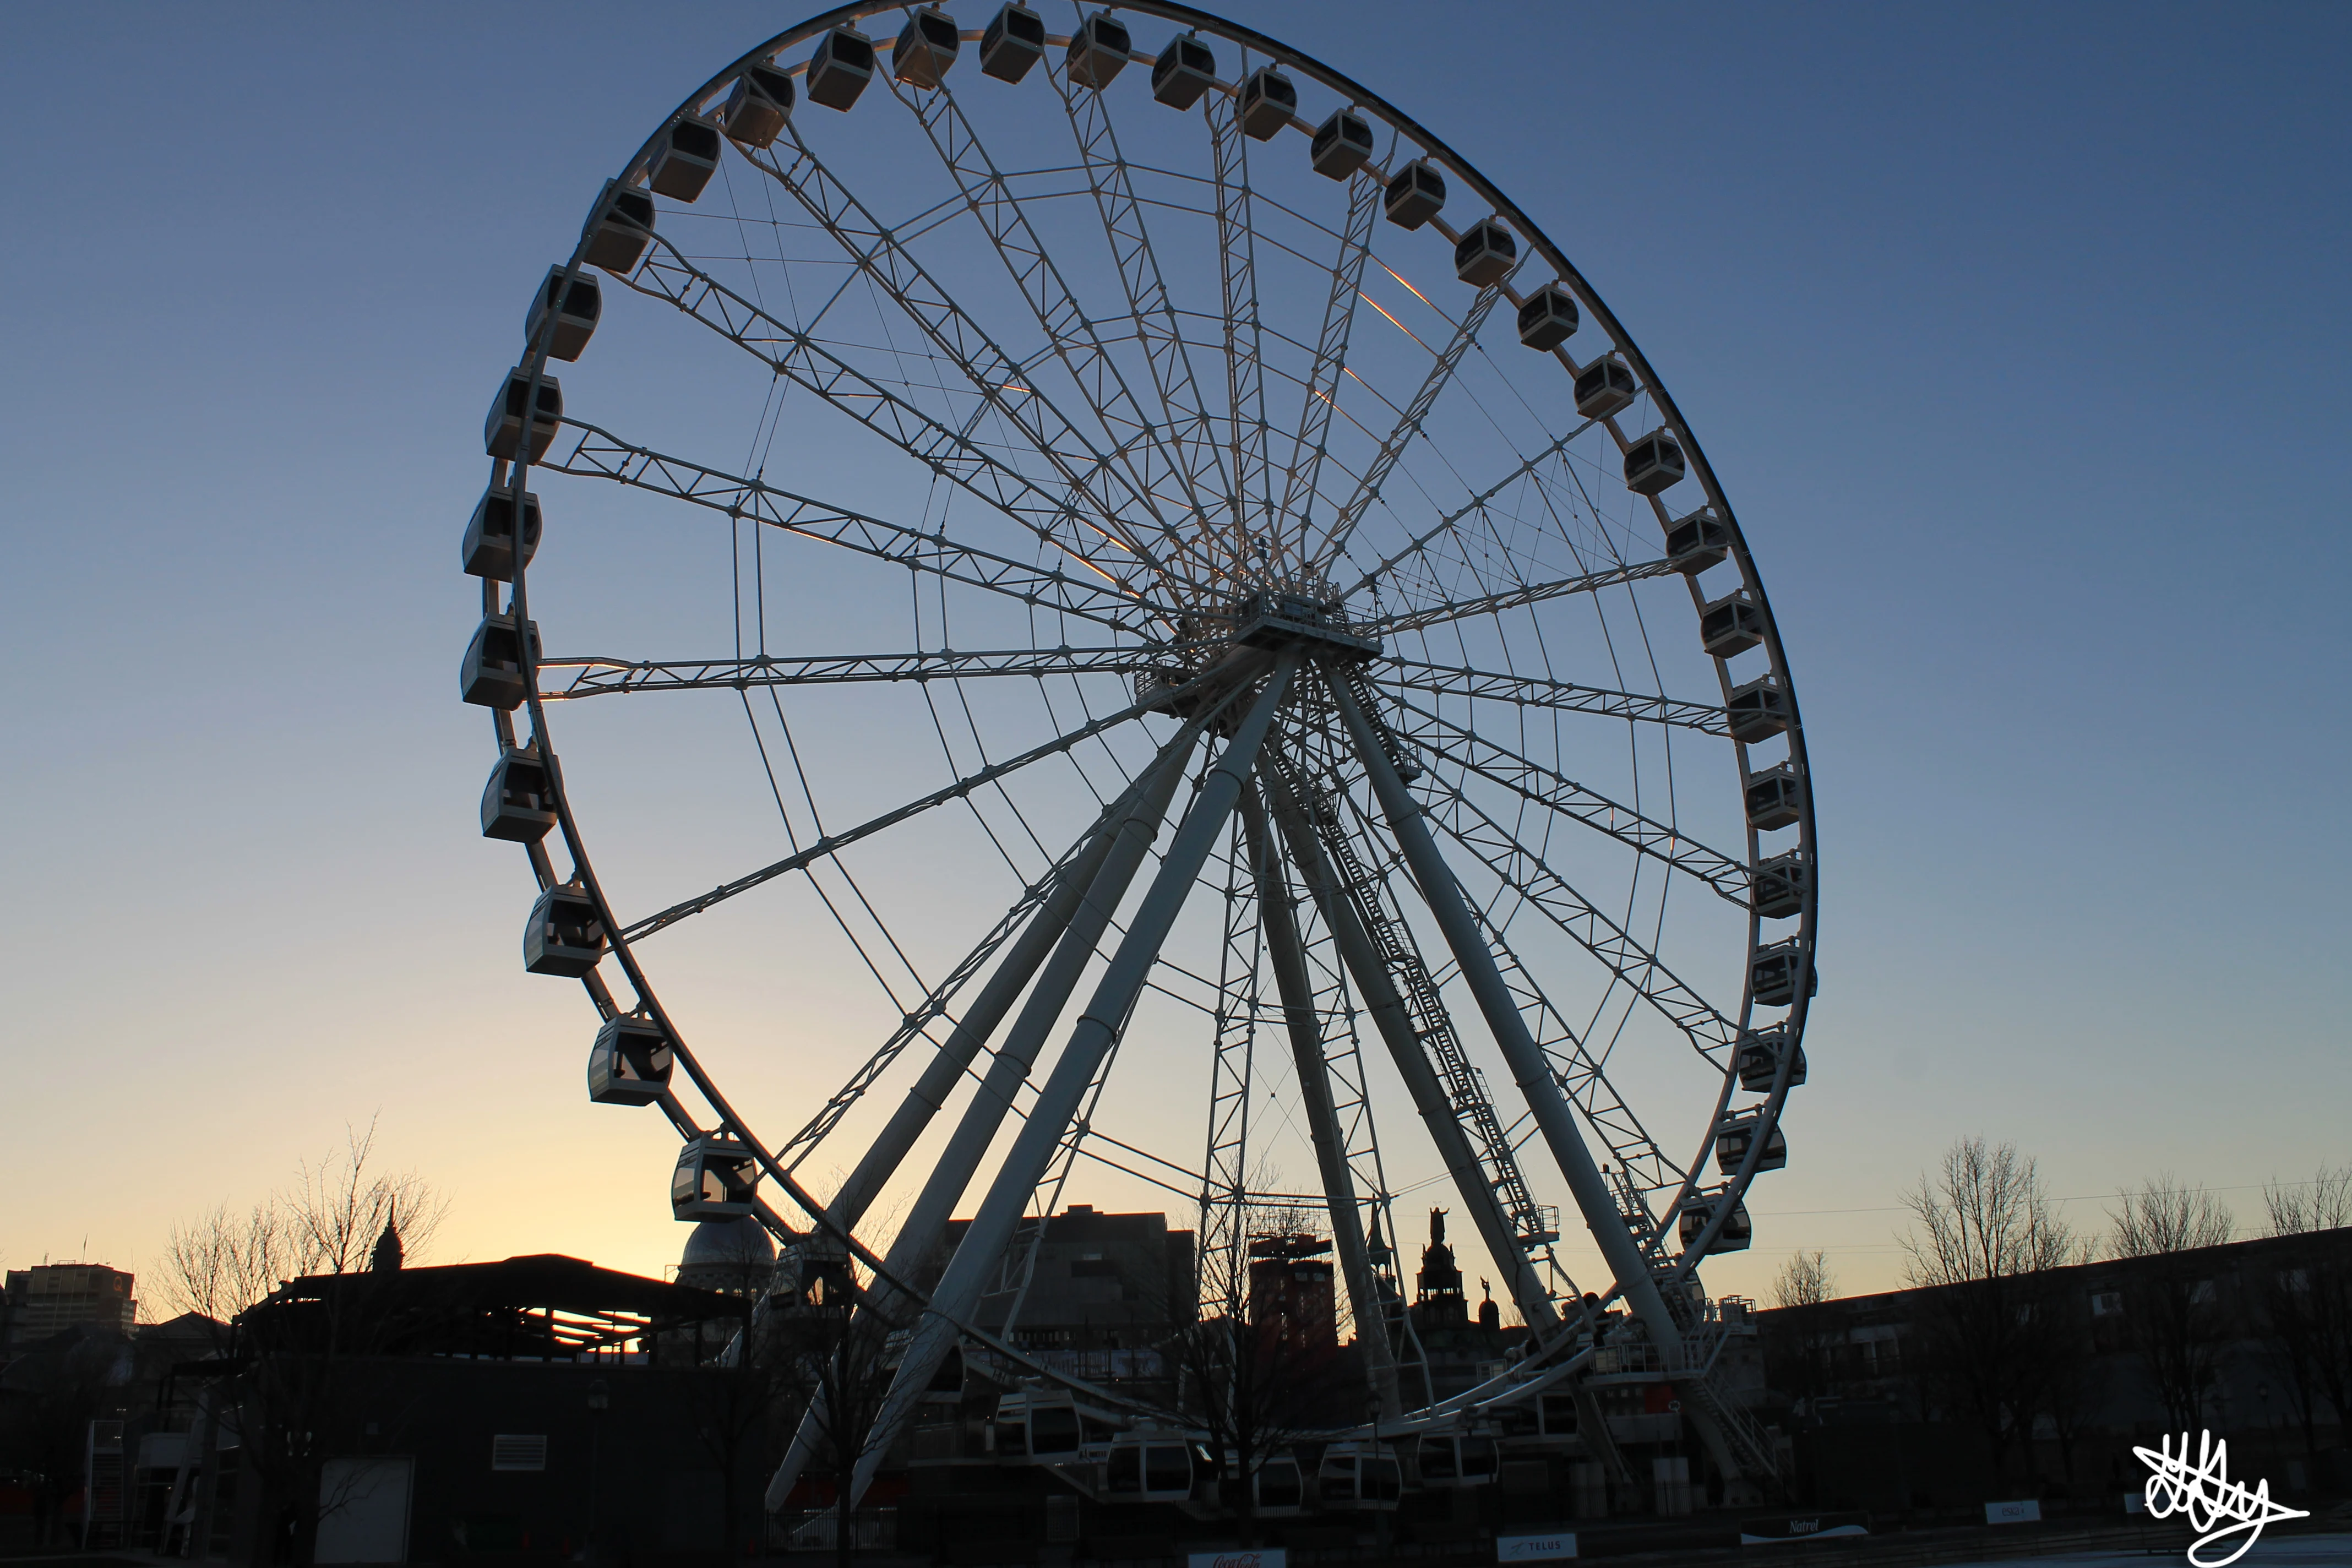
(519,1451)
(2107,1304)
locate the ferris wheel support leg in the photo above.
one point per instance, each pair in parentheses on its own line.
(993,1227)
(1390,1017)
(1278,913)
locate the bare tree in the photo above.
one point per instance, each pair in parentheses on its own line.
(2173,1314)
(1988,1234)
(1802,1348)
(2305,1299)
(833,1359)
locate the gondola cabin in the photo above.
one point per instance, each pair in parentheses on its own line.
(1044,1426)
(1757,709)
(1736,1233)
(1014,41)
(567,313)
(1342,145)
(839,68)
(489,547)
(1696,541)
(1549,318)
(1653,464)
(1484,254)
(1099,51)
(927,46)
(1774,798)
(1603,387)
(1148,1466)
(517,803)
(492,674)
(685,160)
(1773,974)
(1415,195)
(1359,1477)
(716,1178)
(757,107)
(502,427)
(1279,1489)
(1184,71)
(1267,102)
(630,1062)
(1760,1051)
(1451,1459)
(619,227)
(565,937)
(1779,890)
(1731,625)
(1737,1135)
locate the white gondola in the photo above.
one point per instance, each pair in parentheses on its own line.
(619,227)
(1736,1233)
(928,44)
(491,673)
(1449,1461)
(1015,41)
(1556,1414)
(1760,1051)
(839,68)
(569,309)
(1737,1134)
(502,426)
(1359,1477)
(564,938)
(1696,541)
(1342,145)
(630,1062)
(1654,464)
(517,803)
(489,547)
(1484,254)
(1731,625)
(1757,709)
(1603,387)
(1279,1489)
(1099,51)
(684,161)
(1148,1466)
(1773,974)
(1269,101)
(716,1178)
(1779,889)
(1184,71)
(1415,195)
(1044,1426)
(759,106)
(1774,796)
(1549,318)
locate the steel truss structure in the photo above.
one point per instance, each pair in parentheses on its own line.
(1125,373)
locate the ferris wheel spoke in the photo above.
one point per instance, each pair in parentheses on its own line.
(598,454)
(1474,753)
(1528,593)
(1256,527)
(1321,387)
(1477,502)
(666,274)
(1565,696)
(604,677)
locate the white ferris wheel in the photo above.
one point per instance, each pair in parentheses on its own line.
(1114,607)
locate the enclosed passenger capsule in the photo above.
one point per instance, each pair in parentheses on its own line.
(1184,71)
(1773,796)
(1737,1135)
(565,937)
(1099,51)
(1038,1427)
(1342,145)
(619,227)
(1148,1466)
(1653,464)
(1731,625)
(684,161)
(1484,254)
(1603,387)
(1760,1051)
(630,1062)
(489,547)
(840,67)
(1267,102)
(1549,318)
(927,46)
(1773,974)
(502,433)
(1696,541)
(759,106)
(1779,889)
(1736,1233)
(491,675)
(1451,1460)
(1014,41)
(1277,1487)
(1360,1476)
(519,802)
(716,1179)
(1757,709)
(570,308)
(1416,194)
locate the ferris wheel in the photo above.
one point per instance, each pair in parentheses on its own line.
(1115,611)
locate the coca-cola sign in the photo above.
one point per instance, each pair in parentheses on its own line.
(1268,1557)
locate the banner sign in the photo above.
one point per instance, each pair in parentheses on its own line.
(1265,1557)
(2026,1511)
(1534,1548)
(1801,1527)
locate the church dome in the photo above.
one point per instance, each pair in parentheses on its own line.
(721,1253)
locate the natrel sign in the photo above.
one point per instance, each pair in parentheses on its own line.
(1271,1557)
(1534,1548)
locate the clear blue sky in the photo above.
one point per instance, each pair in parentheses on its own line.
(2017,334)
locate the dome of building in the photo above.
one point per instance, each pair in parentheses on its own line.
(727,1255)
